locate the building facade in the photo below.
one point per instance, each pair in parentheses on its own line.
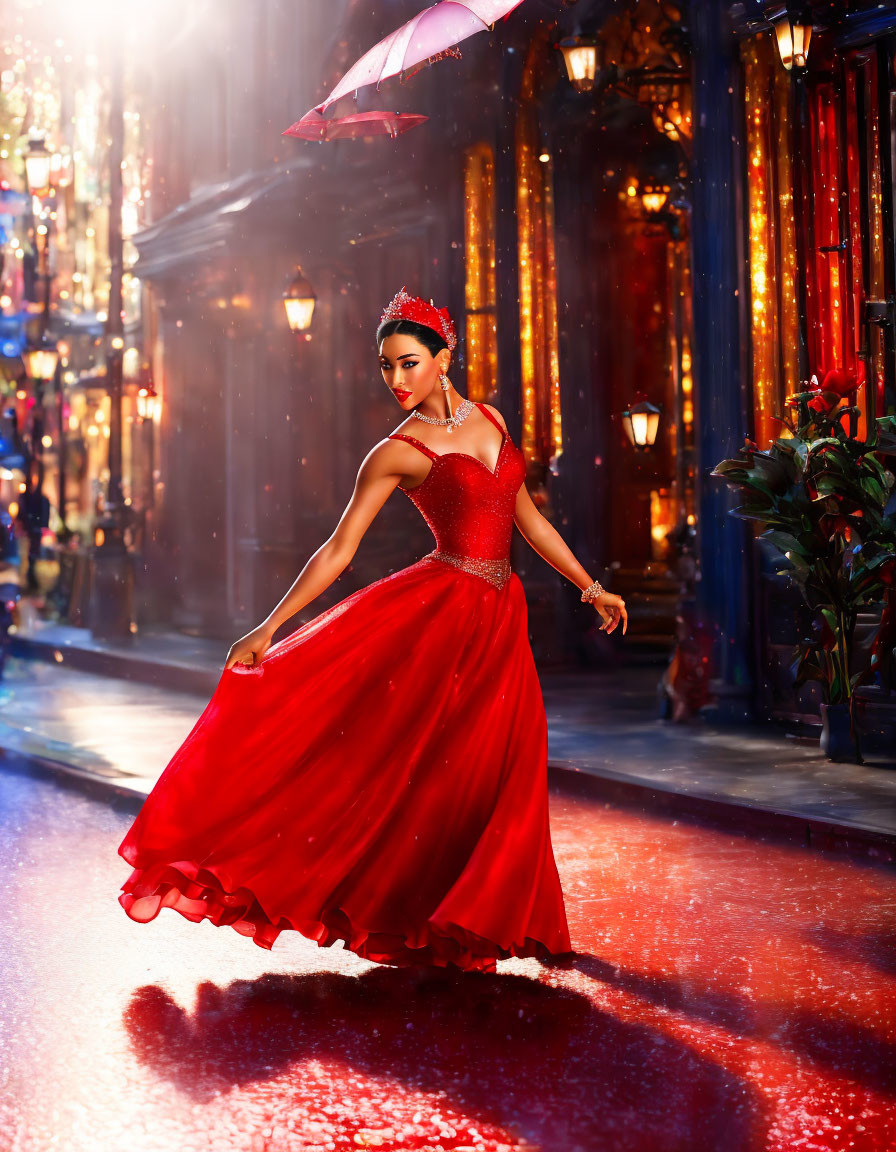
(699,228)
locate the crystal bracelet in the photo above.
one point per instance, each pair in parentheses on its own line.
(592,592)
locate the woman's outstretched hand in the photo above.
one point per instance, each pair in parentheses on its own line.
(250,648)
(612,610)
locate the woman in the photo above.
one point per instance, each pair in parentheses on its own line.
(379,776)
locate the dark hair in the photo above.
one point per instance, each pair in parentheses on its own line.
(428,337)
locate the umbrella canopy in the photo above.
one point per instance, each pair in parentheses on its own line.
(431,32)
(313,126)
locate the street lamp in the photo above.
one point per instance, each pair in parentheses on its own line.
(111,611)
(653,197)
(146,402)
(580,55)
(38,160)
(640,422)
(40,364)
(41,360)
(793,36)
(298,300)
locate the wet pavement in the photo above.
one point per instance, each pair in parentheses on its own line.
(729,994)
(601,726)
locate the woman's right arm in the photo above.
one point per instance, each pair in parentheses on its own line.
(378,476)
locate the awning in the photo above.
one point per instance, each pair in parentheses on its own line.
(205,227)
(319,206)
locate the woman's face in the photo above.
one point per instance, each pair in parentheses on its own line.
(409,368)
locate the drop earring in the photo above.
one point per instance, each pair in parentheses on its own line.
(446,384)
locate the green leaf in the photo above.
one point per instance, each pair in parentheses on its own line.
(783,541)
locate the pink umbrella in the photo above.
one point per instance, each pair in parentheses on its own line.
(429,34)
(313,126)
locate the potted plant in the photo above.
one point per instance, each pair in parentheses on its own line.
(826,503)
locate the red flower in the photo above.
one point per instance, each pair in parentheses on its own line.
(836,526)
(840,382)
(820,405)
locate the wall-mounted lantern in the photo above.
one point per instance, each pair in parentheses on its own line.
(298,300)
(654,197)
(41,361)
(149,403)
(640,422)
(38,160)
(793,36)
(581,57)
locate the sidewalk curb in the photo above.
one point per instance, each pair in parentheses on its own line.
(122,664)
(863,844)
(858,843)
(722,812)
(68,775)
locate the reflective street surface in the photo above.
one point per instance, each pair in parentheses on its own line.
(728,994)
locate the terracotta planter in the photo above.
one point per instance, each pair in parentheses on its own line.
(838,741)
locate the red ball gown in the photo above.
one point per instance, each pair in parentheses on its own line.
(380,778)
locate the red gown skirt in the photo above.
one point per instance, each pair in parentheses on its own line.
(379,779)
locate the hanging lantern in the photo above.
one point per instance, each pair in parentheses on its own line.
(640,422)
(793,41)
(653,197)
(298,300)
(146,393)
(146,397)
(580,54)
(38,159)
(41,361)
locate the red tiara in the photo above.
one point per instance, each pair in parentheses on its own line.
(405,307)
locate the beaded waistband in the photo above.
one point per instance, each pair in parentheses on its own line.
(497,572)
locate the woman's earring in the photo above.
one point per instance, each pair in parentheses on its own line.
(446,384)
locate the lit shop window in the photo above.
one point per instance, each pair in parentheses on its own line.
(774,315)
(479,247)
(541,432)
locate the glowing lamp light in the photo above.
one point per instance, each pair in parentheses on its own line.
(580,55)
(793,42)
(298,300)
(640,422)
(146,402)
(41,361)
(38,159)
(653,198)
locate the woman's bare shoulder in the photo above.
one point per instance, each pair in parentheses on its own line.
(408,427)
(494,411)
(389,456)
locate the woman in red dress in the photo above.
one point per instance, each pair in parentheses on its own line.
(379,776)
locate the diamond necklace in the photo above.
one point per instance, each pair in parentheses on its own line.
(460,414)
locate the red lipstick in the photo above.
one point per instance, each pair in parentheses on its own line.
(400,393)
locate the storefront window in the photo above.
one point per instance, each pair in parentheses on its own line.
(830,227)
(542,434)
(774,310)
(864,200)
(479,245)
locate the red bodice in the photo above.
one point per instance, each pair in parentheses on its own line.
(468,507)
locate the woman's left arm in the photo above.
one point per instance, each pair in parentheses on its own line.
(550,545)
